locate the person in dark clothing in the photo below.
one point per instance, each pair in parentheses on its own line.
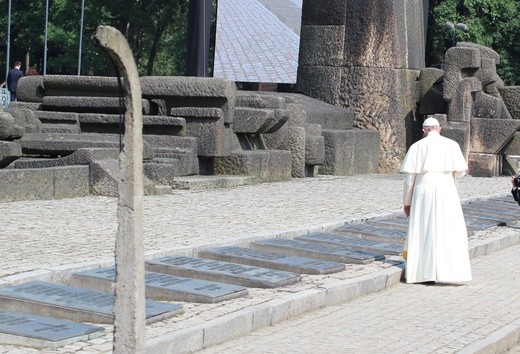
(515,189)
(12,79)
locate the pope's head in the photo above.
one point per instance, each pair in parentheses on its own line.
(429,125)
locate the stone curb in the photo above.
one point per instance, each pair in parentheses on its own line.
(497,342)
(247,320)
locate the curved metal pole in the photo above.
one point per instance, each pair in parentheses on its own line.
(8,41)
(45,42)
(81,36)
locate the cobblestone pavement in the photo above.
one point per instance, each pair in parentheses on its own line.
(47,238)
(253,45)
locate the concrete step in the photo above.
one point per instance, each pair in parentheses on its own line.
(199,182)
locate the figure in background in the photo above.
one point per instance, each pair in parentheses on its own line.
(12,79)
(32,71)
(436,247)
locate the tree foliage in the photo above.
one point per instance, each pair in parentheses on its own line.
(493,23)
(156,31)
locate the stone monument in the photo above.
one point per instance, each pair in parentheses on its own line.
(129,306)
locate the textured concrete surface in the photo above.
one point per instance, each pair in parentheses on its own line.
(257,40)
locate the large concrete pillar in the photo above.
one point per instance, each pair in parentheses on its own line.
(365,55)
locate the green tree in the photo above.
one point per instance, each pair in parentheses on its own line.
(493,23)
(156,31)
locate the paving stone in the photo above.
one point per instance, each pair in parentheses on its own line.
(314,250)
(167,287)
(272,260)
(220,271)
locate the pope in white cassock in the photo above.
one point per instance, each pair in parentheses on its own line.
(436,247)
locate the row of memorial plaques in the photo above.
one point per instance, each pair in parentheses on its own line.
(223,273)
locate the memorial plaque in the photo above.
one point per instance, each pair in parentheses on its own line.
(494,208)
(18,328)
(472,224)
(489,215)
(73,304)
(378,233)
(506,199)
(354,243)
(220,271)
(390,223)
(484,217)
(479,224)
(316,250)
(272,260)
(168,287)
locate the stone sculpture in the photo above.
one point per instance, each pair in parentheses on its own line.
(362,93)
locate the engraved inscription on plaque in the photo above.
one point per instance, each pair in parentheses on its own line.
(354,243)
(76,304)
(316,250)
(272,260)
(372,231)
(222,271)
(47,332)
(170,287)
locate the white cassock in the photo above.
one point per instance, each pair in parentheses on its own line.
(437,240)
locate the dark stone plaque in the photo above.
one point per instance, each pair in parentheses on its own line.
(379,233)
(501,218)
(506,199)
(471,214)
(272,260)
(400,223)
(316,250)
(223,272)
(494,209)
(479,224)
(355,243)
(42,332)
(71,303)
(161,286)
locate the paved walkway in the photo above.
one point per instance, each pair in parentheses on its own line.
(256,40)
(48,239)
